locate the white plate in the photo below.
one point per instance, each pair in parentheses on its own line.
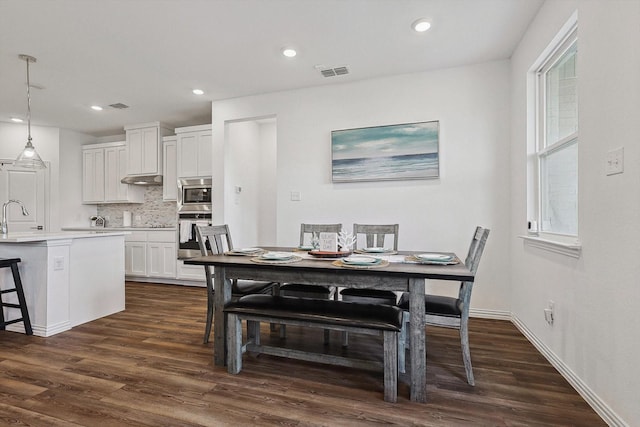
(375,250)
(276,256)
(434,257)
(246,250)
(360,260)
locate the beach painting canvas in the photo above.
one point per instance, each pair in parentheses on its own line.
(380,153)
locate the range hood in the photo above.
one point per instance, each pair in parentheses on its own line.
(142,179)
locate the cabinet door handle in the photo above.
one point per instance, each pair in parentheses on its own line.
(39,227)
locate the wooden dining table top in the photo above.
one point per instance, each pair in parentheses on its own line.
(405,269)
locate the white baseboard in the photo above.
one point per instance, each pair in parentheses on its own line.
(39,330)
(598,405)
(490,314)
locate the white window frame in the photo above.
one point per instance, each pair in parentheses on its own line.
(552,241)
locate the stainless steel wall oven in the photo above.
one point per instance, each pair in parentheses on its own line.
(187,238)
(194,208)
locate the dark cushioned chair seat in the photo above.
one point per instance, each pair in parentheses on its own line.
(369,296)
(314,291)
(435,304)
(320,311)
(243,287)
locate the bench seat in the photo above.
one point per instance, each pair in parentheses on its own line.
(343,316)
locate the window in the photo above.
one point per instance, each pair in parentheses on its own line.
(556,153)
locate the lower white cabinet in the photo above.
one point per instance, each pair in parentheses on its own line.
(191,272)
(150,254)
(135,258)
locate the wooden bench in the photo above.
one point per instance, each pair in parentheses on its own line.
(342,316)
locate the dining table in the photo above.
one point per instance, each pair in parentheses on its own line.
(400,272)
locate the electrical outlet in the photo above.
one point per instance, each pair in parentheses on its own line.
(58,263)
(296,196)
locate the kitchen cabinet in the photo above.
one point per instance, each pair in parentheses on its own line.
(144,148)
(190,272)
(103,166)
(169,168)
(92,175)
(150,254)
(194,151)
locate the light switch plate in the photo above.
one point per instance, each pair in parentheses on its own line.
(296,196)
(615,161)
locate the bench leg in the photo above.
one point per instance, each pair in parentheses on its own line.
(253,332)
(234,344)
(390,366)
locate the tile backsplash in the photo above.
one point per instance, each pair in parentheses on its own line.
(153,212)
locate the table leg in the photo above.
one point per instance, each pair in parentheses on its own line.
(221,296)
(418,353)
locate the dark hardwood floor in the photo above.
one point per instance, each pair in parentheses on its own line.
(147,366)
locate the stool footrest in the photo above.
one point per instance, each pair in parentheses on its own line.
(22,305)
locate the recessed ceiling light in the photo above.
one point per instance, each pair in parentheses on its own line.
(96,107)
(17,119)
(421,25)
(198,92)
(289,52)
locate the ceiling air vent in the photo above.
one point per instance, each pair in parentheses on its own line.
(119,106)
(336,71)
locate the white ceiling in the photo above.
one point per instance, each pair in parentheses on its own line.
(150,54)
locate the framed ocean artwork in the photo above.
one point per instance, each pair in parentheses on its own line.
(382,153)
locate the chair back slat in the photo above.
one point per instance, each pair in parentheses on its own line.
(375,234)
(214,239)
(476,248)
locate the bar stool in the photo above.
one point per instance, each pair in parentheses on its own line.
(13,263)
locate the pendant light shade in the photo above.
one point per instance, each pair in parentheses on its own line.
(29,157)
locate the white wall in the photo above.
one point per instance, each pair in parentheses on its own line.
(61,150)
(72,212)
(267,206)
(595,336)
(242,171)
(250,165)
(472,105)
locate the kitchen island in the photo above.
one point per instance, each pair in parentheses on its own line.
(69,277)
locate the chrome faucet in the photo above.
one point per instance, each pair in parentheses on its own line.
(3,224)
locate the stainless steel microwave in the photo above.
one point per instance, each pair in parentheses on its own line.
(194,195)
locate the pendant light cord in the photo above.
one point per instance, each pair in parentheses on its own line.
(28,102)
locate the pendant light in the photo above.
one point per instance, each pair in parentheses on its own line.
(29,158)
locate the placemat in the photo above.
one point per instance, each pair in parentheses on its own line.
(411,258)
(339,263)
(387,252)
(245,253)
(276,261)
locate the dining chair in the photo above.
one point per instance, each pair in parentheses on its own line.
(310,291)
(453,312)
(374,236)
(216,239)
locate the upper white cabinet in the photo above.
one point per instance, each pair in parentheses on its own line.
(170,168)
(194,151)
(103,166)
(144,148)
(92,175)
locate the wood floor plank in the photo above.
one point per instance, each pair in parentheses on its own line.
(147,366)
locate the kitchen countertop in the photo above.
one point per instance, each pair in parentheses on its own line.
(24,237)
(102,229)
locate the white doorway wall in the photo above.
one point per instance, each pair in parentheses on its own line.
(30,187)
(250,181)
